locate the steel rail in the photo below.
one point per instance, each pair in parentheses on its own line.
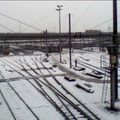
(71,103)
(68,91)
(64,97)
(19,95)
(8,105)
(54,93)
(44,94)
(58,96)
(71,94)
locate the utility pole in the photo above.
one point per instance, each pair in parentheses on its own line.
(114,59)
(115,41)
(60,47)
(70,40)
(46,43)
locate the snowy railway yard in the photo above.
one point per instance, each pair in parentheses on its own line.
(32,87)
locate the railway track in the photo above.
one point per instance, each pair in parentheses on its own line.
(42,92)
(10,109)
(49,99)
(28,107)
(70,110)
(66,90)
(91,67)
(85,64)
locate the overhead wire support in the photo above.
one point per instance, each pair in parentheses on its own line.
(70,40)
(114,59)
(46,43)
(115,42)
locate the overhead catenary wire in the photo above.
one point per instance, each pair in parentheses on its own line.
(41,19)
(104,22)
(7,28)
(98,25)
(26,23)
(82,14)
(20,21)
(45,17)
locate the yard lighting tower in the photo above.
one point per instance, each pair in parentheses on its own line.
(59,10)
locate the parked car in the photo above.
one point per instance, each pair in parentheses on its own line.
(54,65)
(45,60)
(94,75)
(84,88)
(69,78)
(79,68)
(50,68)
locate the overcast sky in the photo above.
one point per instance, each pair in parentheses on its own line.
(43,15)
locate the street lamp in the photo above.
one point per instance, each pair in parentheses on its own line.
(59,10)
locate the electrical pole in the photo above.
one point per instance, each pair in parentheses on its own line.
(70,40)
(60,47)
(114,59)
(115,41)
(46,43)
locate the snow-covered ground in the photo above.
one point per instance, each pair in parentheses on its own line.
(38,104)
(94,100)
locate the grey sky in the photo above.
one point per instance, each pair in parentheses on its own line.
(42,14)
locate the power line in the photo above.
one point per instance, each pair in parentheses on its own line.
(26,23)
(40,20)
(66,4)
(7,28)
(83,13)
(106,21)
(20,22)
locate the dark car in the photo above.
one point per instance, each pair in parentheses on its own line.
(54,65)
(45,60)
(78,68)
(69,78)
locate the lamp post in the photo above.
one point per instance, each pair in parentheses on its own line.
(59,10)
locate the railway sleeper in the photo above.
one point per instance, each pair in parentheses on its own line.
(81,117)
(80,111)
(72,118)
(78,116)
(75,112)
